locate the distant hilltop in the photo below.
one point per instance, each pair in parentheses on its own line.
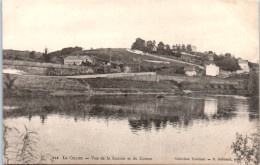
(189,53)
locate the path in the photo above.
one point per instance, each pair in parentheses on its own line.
(163,58)
(111,75)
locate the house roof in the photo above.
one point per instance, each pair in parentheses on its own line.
(189,68)
(210,55)
(212,64)
(241,61)
(117,63)
(77,57)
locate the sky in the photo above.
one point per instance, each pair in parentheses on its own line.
(222,26)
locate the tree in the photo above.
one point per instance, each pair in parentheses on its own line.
(247,148)
(189,49)
(253,83)
(154,43)
(9,81)
(32,54)
(167,46)
(149,45)
(226,62)
(69,50)
(139,44)
(160,47)
(228,55)
(179,48)
(183,47)
(50,72)
(168,49)
(46,55)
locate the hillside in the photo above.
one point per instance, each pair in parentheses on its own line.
(136,61)
(122,55)
(21,55)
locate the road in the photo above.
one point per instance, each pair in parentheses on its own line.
(164,58)
(110,75)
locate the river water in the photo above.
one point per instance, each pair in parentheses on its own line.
(77,129)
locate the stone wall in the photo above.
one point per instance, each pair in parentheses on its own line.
(150,76)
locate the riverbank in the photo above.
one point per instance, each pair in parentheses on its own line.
(34,85)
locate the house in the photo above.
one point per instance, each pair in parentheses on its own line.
(224,74)
(174,48)
(77,60)
(154,49)
(116,63)
(193,48)
(210,56)
(186,57)
(127,69)
(190,71)
(244,65)
(212,70)
(117,69)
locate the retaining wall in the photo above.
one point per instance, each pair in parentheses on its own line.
(143,76)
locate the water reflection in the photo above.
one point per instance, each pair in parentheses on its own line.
(210,107)
(134,125)
(144,113)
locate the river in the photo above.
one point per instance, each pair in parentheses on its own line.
(81,129)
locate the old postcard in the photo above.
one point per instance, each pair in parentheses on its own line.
(130,82)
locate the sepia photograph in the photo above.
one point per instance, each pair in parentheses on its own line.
(130,82)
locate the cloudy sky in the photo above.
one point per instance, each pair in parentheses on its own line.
(218,25)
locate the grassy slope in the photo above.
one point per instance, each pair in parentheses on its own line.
(128,84)
(37,85)
(20,55)
(127,57)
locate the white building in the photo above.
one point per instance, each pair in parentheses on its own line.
(244,65)
(193,48)
(127,69)
(190,71)
(154,49)
(212,70)
(77,60)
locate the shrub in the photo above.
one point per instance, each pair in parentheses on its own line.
(24,148)
(247,148)
(50,71)
(9,82)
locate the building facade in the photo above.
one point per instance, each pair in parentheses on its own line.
(212,70)
(77,60)
(244,65)
(190,71)
(193,48)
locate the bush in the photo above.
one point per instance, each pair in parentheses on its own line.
(180,70)
(247,149)
(227,63)
(50,72)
